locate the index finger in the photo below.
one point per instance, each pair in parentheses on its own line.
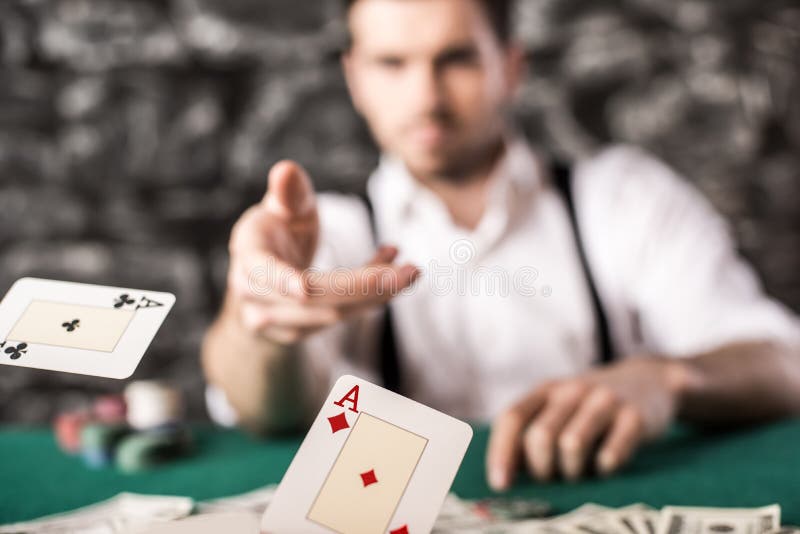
(290,193)
(505,441)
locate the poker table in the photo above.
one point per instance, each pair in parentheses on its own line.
(746,467)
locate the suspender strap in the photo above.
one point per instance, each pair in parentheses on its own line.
(563,182)
(389,360)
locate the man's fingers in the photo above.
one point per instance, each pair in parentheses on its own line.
(384,254)
(371,284)
(258,317)
(290,193)
(505,440)
(626,433)
(261,277)
(590,421)
(285,336)
(539,439)
(264,278)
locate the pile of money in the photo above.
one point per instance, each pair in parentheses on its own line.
(145,514)
(125,513)
(467,517)
(518,515)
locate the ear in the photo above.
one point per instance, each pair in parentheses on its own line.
(347,62)
(516,67)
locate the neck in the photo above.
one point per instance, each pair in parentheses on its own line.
(465,193)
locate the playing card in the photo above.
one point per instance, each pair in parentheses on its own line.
(373,462)
(79,328)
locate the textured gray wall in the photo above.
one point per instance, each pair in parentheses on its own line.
(133,132)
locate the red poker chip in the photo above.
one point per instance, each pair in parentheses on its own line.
(110,408)
(68,428)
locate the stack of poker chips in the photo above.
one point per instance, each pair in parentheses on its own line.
(137,431)
(92,431)
(101,434)
(155,413)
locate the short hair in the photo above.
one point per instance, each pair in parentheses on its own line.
(498,11)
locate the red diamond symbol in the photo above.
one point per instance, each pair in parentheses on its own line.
(401,530)
(338,422)
(369,478)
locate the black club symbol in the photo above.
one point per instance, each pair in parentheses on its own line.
(72,325)
(17,351)
(123,300)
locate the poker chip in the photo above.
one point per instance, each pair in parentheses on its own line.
(99,441)
(109,409)
(151,404)
(148,449)
(67,428)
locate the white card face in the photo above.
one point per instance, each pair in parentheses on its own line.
(79,328)
(373,462)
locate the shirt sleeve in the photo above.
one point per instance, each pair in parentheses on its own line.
(669,257)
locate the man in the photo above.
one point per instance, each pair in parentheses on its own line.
(459,195)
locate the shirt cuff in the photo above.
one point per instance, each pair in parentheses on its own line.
(219,408)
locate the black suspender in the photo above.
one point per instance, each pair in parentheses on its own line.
(389,360)
(563,183)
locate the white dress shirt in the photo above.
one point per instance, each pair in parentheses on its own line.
(506,306)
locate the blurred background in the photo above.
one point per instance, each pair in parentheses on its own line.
(134,132)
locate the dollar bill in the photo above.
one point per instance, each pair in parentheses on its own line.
(123,514)
(211,523)
(688,520)
(255,501)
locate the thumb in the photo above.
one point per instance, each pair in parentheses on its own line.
(290,193)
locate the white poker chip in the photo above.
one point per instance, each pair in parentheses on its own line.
(152,404)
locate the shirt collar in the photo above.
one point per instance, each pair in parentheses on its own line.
(519,170)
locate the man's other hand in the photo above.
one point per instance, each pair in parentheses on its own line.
(596,420)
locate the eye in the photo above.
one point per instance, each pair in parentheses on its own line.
(459,57)
(390,62)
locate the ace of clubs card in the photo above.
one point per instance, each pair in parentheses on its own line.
(79,328)
(373,462)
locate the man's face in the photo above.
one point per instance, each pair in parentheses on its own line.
(432,80)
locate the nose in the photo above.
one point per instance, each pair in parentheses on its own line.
(425,88)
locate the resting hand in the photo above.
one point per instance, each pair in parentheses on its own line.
(595,420)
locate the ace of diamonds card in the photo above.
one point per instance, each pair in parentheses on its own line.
(373,462)
(79,328)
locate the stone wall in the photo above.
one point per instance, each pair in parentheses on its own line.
(133,132)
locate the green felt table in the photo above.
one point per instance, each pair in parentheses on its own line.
(747,467)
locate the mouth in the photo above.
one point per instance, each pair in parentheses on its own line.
(429,135)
